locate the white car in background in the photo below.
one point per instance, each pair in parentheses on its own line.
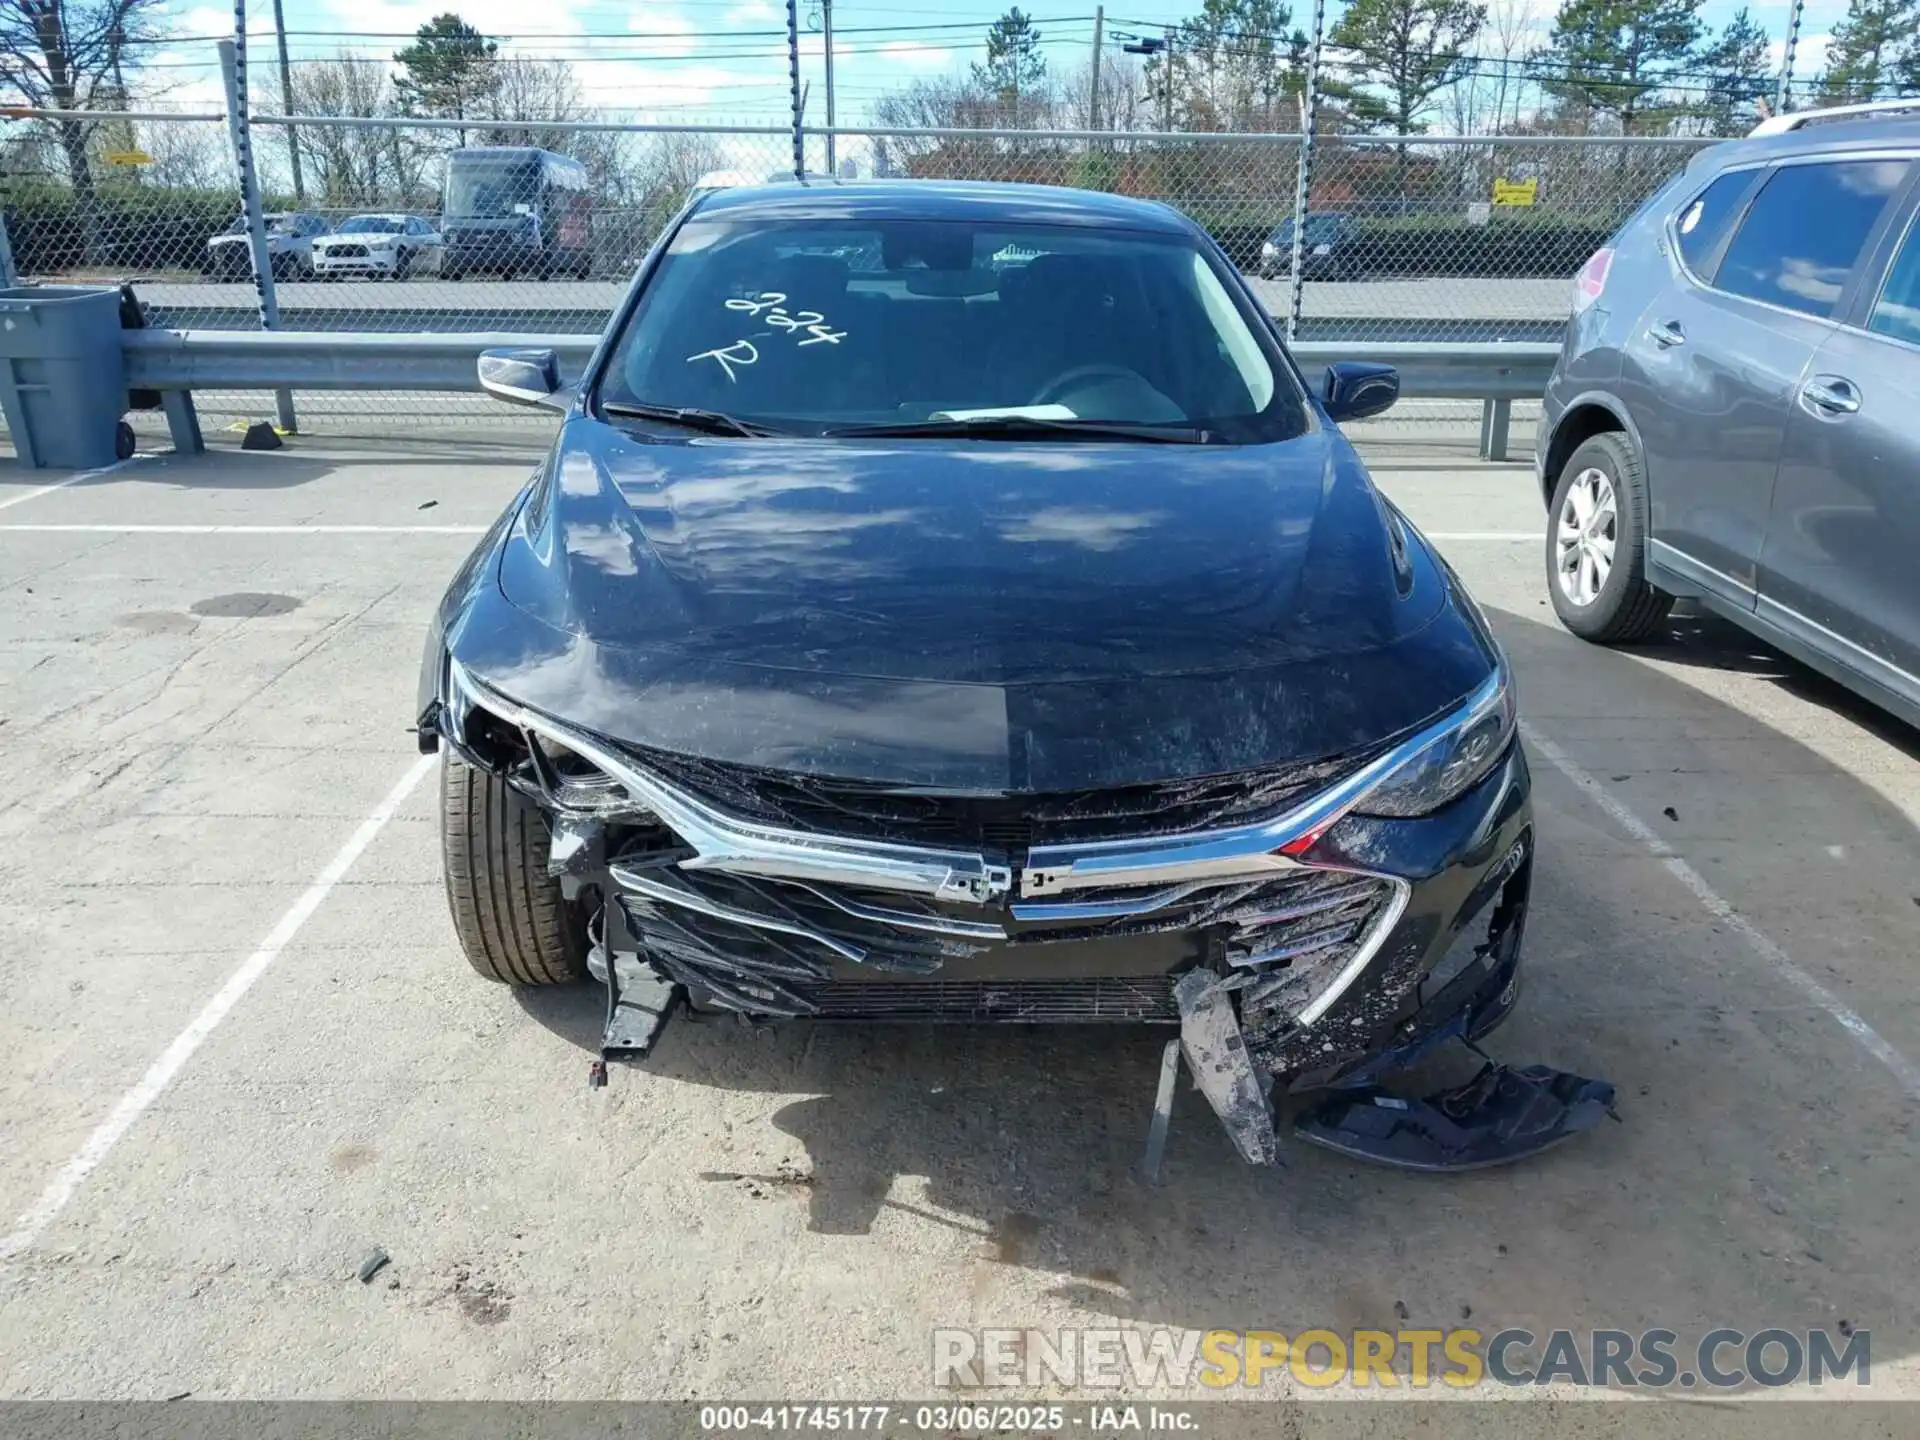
(388,246)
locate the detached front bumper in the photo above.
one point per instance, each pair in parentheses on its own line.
(1325,961)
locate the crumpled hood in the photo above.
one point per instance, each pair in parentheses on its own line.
(994,615)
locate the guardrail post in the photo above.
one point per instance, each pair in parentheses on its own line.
(233,76)
(1496,418)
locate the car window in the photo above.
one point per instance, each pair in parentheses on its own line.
(1805,230)
(812,325)
(1699,226)
(1897,310)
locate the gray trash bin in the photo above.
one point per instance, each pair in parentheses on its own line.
(62,374)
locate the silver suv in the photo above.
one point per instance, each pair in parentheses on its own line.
(1735,414)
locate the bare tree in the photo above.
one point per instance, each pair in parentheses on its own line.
(187,155)
(70,55)
(354,165)
(547,91)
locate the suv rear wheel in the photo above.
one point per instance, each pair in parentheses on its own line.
(1596,545)
(513,922)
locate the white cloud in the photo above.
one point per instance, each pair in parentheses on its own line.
(668,32)
(918,54)
(1809,58)
(756,14)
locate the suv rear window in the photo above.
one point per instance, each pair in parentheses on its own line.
(1805,230)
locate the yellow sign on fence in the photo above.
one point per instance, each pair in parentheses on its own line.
(1515,192)
(129,157)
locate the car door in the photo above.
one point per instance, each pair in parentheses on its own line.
(1841,567)
(1710,372)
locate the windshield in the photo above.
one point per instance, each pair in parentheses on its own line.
(285,224)
(1321,230)
(372,225)
(808,326)
(489,189)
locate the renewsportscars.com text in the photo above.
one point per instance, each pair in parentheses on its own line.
(1720,1359)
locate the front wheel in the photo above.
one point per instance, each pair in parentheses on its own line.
(403,265)
(513,922)
(1596,545)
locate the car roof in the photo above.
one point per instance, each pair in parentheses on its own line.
(990,202)
(1890,131)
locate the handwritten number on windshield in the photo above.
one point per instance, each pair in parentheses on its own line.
(772,305)
(754,304)
(740,352)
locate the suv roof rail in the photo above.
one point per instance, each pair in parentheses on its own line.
(1794,120)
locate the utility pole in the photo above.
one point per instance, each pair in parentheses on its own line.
(1093,84)
(286,107)
(826,35)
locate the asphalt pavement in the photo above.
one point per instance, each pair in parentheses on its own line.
(239,1049)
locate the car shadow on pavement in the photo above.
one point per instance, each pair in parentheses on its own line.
(1705,641)
(1761,1175)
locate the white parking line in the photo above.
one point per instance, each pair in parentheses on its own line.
(244,529)
(38,491)
(1875,1044)
(162,1072)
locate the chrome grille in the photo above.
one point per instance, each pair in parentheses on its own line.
(1007,825)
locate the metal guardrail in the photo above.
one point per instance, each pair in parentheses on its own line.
(177,362)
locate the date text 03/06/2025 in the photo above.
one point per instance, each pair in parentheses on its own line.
(939,1418)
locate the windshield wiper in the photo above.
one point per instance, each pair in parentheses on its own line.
(1027,427)
(714,422)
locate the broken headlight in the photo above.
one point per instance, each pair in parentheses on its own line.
(534,753)
(1453,761)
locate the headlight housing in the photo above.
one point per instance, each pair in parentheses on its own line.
(1452,761)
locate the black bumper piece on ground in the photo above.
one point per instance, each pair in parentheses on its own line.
(1499,1116)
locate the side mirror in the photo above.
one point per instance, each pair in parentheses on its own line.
(1355,389)
(523,377)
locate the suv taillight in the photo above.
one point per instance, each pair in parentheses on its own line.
(1592,278)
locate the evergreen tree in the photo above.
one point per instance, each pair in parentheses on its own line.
(1871,50)
(1411,49)
(1621,58)
(1015,67)
(447,73)
(1739,74)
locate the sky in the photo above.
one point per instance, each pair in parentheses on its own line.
(718,61)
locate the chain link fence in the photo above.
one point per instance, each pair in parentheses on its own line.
(1422,239)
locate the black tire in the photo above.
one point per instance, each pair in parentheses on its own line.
(1625,608)
(403,265)
(123,440)
(512,921)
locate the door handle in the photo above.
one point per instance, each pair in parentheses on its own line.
(1830,395)
(1667,334)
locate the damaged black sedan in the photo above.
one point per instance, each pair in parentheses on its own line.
(948,603)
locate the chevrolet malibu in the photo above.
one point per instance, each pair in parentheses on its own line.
(950,604)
